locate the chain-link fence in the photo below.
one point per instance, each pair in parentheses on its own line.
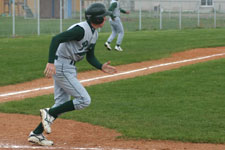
(35,17)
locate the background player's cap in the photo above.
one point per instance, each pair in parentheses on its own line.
(96,12)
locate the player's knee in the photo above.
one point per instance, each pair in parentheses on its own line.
(120,32)
(87,101)
(82,102)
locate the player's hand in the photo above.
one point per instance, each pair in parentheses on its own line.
(49,70)
(108,69)
(128,12)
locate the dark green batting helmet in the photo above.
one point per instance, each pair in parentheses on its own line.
(96,12)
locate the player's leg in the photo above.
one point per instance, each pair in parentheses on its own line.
(36,136)
(72,86)
(120,32)
(60,97)
(39,139)
(112,35)
(114,30)
(66,79)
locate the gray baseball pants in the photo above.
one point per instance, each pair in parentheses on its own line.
(66,85)
(117,28)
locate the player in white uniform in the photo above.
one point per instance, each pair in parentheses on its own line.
(116,25)
(66,49)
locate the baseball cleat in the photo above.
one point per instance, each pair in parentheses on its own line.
(107,45)
(39,139)
(118,48)
(46,119)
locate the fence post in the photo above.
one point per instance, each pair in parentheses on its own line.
(13,19)
(214,17)
(38,17)
(160,17)
(60,15)
(35,8)
(140,21)
(80,10)
(198,17)
(180,18)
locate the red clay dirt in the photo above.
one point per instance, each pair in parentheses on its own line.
(14,128)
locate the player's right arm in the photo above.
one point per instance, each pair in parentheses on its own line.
(76,33)
(112,6)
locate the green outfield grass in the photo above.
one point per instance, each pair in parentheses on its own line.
(185,104)
(24,58)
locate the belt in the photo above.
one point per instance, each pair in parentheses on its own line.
(65,60)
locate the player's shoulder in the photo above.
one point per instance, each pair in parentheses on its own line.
(80,24)
(114,2)
(88,29)
(76,27)
(83,24)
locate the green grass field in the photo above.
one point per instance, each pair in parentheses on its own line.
(24,58)
(185,104)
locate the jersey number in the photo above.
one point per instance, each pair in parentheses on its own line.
(84,44)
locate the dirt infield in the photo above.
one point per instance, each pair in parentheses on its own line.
(14,128)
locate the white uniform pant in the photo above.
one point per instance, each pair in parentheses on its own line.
(66,85)
(117,28)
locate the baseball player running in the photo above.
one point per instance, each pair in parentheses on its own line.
(66,49)
(116,25)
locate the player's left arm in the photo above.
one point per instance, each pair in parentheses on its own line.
(106,67)
(124,11)
(90,56)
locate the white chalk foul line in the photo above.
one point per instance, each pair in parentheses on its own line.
(44,147)
(8,146)
(117,74)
